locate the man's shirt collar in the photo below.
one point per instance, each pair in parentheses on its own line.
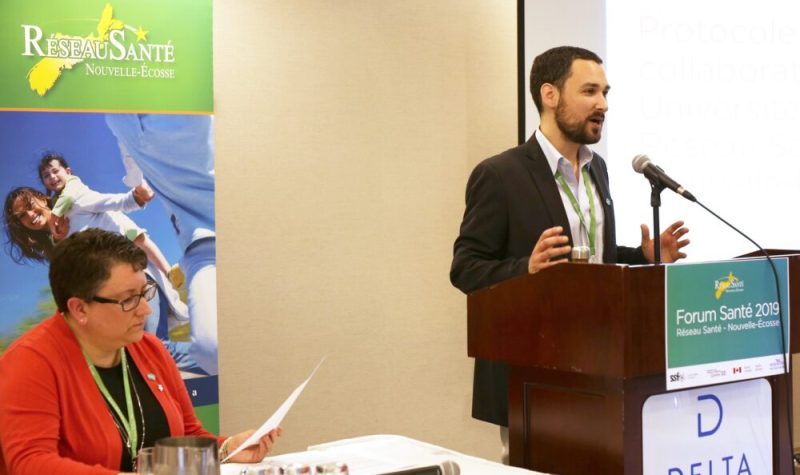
(556,160)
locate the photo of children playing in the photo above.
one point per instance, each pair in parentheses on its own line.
(147,177)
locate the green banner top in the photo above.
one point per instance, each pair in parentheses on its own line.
(120,56)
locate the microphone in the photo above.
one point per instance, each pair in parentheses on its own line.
(445,467)
(643,165)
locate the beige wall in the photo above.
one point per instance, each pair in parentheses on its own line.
(345,132)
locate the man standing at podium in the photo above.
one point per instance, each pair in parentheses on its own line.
(528,206)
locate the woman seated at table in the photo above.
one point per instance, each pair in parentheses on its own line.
(84,390)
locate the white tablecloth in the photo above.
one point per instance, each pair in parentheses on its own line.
(373,454)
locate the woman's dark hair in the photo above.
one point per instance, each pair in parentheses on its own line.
(82,262)
(23,244)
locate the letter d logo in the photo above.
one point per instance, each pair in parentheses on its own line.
(700,431)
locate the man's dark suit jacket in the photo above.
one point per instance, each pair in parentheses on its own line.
(511,199)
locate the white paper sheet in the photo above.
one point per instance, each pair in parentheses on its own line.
(276,418)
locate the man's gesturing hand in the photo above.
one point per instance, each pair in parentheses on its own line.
(552,243)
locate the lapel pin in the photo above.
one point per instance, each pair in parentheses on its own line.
(151,376)
(608,201)
(161,388)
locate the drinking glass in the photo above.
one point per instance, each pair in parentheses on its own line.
(186,456)
(144,461)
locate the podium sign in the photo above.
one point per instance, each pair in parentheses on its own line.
(723,321)
(724,429)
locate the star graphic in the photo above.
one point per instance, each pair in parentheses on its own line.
(141,35)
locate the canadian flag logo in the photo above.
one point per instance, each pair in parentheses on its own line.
(738,369)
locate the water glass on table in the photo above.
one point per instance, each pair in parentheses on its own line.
(144,461)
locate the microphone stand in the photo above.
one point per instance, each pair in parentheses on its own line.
(655,201)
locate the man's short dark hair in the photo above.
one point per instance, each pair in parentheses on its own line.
(554,66)
(82,263)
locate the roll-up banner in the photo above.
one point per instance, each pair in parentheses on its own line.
(117,96)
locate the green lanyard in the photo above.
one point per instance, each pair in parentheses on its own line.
(574,202)
(129,424)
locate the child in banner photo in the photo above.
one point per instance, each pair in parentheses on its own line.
(86,208)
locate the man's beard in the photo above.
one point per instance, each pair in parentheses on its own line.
(577,131)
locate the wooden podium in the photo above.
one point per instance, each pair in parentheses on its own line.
(585,347)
